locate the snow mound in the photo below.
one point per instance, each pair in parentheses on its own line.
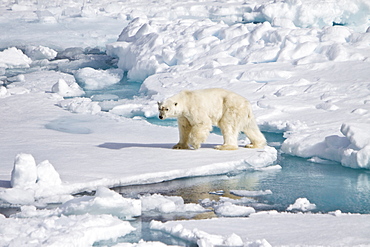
(30,182)
(312,13)
(47,175)
(24,173)
(14,58)
(3,91)
(228,209)
(40,52)
(80,105)
(302,204)
(351,148)
(146,47)
(93,79)
(168,204)
(357,153)
(105,201)
(62,88)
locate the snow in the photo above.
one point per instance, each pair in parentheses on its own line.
(63,89)
(40,52)
(250,193)
(14,58)
(40,228)
(304,66)
(271,228)
(105,201)
(302,204)
(24,173)
(93,79)
(228,209)
(142,243)
(168,204)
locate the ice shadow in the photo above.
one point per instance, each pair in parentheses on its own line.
(5,184)
(117,145)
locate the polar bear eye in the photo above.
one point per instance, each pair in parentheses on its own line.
(166,109)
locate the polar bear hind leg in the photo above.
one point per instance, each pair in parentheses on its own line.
(254,134)
(230,127)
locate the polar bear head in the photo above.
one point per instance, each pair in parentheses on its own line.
(168,109)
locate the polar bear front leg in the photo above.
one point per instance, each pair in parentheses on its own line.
(184,130)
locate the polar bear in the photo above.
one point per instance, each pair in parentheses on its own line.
(197,111)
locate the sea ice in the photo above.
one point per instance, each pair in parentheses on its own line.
(204,239)
(302,204)
(61,230)
(40,52)
(24,173)
(270,228)
(250,193)
(47,175)
(168,204)
(105,201)
(46,81)
(65,90)
(14,58)
(93,79)
(80,105)
(143,243)
(228,209)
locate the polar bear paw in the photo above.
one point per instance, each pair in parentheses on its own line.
(226,147)
(181,146)
(255,145)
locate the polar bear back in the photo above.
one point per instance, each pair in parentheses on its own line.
(211,102)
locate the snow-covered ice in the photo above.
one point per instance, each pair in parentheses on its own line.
(304,65)
(302,204)
(274,229)
(104,201)
(250,193)
(168,204)
(228,209)
(33,227)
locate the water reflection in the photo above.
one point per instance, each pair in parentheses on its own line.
(330,187)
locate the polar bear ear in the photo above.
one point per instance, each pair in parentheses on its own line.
(159,102)
(175,104)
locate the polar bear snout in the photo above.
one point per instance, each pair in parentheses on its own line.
(162,115)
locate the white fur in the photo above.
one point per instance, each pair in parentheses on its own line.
(197,111)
